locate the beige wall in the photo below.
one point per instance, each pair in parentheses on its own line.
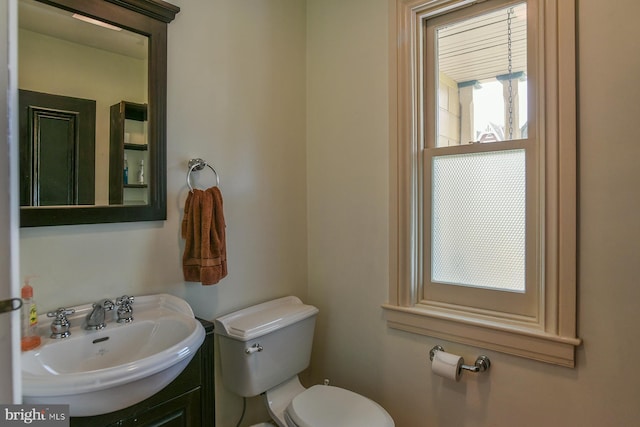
(348,251)
(249,83)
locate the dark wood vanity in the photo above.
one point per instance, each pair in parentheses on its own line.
(187,401)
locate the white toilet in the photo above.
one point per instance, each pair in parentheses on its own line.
(262,350)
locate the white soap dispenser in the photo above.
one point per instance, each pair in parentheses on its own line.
(141,172)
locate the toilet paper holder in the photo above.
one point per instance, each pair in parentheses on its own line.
(482,362)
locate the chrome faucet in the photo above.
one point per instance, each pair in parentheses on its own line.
(60,325)
(125,311)
(95,319)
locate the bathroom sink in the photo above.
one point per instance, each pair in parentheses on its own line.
(97,372)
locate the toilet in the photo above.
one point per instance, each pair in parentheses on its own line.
(264,347)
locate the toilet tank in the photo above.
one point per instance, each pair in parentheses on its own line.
(264,345)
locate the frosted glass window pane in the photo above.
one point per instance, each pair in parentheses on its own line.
(478,220)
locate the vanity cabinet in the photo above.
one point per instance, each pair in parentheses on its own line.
(186,401)
(128,137)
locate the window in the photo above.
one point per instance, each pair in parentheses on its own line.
(484,175)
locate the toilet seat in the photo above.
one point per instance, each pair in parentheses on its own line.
(327,406)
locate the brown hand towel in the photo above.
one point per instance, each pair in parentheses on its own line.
(205,253)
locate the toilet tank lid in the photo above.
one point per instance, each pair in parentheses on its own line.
(257,320)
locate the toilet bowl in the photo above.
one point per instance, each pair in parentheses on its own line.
(323,406)
(262,350)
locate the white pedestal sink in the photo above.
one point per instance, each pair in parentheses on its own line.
(97,372)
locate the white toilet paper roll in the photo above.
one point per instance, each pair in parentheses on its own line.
(447,365)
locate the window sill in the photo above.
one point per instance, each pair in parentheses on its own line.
(516,339)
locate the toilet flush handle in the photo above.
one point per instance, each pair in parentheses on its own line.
(253,349)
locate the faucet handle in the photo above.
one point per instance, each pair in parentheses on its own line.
(125,300)
(125,311)
(60,325)
(61,313)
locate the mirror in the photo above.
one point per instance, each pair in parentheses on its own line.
(92,80)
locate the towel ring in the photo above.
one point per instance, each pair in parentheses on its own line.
(198,165)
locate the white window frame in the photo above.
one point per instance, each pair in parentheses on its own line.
(549,336)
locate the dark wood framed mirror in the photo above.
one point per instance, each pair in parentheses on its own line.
(107,193)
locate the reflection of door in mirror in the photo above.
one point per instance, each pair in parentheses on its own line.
(57,150)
